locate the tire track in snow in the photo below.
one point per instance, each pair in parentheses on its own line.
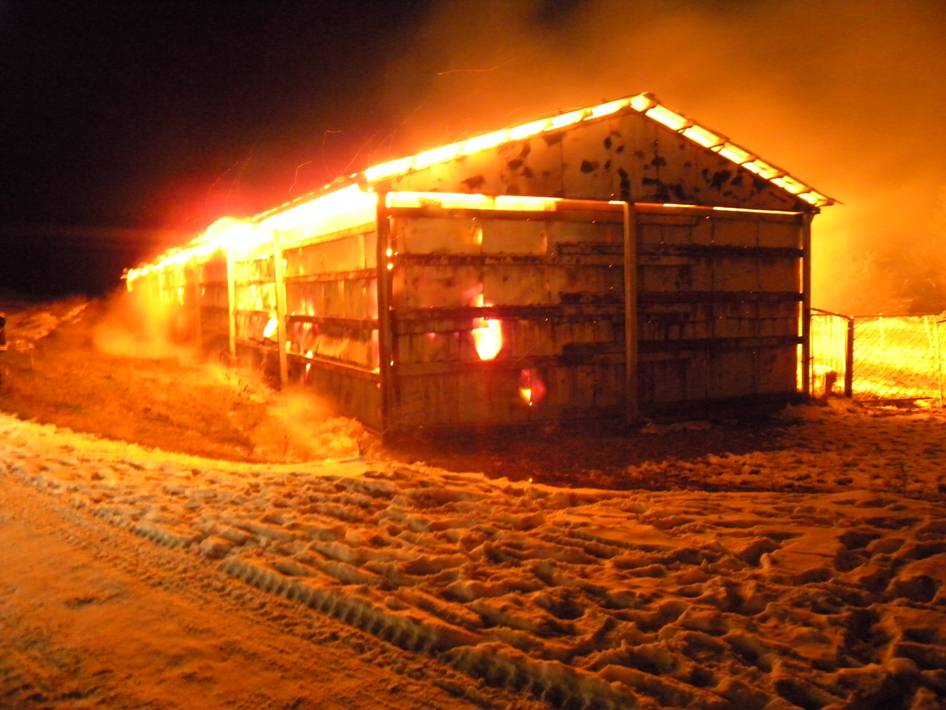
(204,585)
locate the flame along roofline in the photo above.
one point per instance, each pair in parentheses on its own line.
(645,103)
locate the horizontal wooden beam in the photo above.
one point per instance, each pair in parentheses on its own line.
(356,323)
(612,357)
(717,344)
(343,368)
(566,210)
(333,276)
(606,260)
(654,297)
(559,312)
(642,208)
(715,250)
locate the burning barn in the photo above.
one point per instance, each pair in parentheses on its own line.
(599,263)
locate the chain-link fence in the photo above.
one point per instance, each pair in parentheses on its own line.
(831,335)
(899,358)
(886,358)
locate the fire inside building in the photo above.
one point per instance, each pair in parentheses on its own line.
(607,262)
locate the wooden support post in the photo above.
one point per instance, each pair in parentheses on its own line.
(279,278)
(192,277)
(631,389)
(231,302)
(849,360)
(385,334)
(939,359)
(806,306)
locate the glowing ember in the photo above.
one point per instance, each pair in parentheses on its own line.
(488,337)
(269,332)
(487,333)
(531,387)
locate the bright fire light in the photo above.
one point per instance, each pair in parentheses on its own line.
(269,332)
(488,338)
(531,386)
(487,333)
(355,204)
(642,103)
(465,201)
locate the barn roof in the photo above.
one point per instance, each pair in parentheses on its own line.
(336,198)
(646,104)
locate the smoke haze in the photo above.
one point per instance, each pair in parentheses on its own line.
(846,95)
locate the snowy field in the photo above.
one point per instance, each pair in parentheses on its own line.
(810,576)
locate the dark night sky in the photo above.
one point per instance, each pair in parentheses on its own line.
(123,119)
(128,126)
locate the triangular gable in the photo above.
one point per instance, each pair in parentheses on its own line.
(633,149)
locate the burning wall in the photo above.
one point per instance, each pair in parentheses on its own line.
(392,304)
(849,98)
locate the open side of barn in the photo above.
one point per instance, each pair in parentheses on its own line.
(599,264)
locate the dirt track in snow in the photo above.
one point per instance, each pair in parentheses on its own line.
(571,597)
(797,564)
(95,617)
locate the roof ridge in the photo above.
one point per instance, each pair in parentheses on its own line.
(645,103)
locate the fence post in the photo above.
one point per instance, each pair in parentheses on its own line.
(849,360)
(939,362)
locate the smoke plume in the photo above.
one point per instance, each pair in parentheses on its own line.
(846,95)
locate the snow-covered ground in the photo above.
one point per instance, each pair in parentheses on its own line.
(807,576)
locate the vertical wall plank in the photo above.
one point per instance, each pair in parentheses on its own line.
(279,268)
(630,315)
(385,337)
(806,306)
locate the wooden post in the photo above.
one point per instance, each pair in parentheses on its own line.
(231,302)
(631,412)
(385,335)
(939,361)
(192,277)
(849,360)
(806,306)
(279,277)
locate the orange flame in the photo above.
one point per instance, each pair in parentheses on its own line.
(487,333)
(269,332)
(531,387)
